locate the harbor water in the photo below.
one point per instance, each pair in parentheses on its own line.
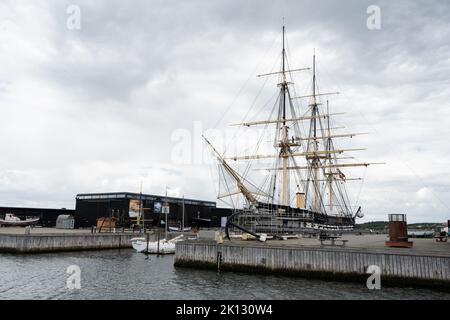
(125,274)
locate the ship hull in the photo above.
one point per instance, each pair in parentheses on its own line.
(294,221)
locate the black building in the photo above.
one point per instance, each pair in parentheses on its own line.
(47,216)
(126,208)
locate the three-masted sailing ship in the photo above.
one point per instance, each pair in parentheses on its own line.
(305,159)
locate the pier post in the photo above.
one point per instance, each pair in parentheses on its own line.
(219,258)
(159,237)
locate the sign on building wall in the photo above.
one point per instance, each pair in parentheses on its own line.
(135,207)
(157,207)
(223,222)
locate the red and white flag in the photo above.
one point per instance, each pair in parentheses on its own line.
(341,175)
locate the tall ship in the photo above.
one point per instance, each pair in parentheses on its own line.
(300,186)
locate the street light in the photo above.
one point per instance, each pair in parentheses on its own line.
(166,211)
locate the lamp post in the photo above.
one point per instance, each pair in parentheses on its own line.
(182,218)
(166,211)
(141,211)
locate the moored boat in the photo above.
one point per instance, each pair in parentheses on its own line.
(12,220)
(162,246)
(187,229)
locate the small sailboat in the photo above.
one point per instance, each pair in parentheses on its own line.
(179,229)
(12,220)
(162,246)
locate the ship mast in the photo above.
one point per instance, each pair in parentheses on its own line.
(284,152)
(315,144)
(330,162)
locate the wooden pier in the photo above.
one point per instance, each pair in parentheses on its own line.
(416,268)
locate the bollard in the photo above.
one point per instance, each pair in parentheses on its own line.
(219,238)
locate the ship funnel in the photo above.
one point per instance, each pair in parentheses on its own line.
(301,200)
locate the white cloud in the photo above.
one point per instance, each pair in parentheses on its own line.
(424,194)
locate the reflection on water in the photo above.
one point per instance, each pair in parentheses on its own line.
(124,274)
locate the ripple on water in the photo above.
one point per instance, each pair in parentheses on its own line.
(124,274)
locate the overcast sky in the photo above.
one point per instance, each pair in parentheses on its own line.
(98,108)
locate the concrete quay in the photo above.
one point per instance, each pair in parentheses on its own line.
(426,264)
(18,240)
(37,240)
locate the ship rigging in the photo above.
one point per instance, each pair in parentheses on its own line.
(307,160)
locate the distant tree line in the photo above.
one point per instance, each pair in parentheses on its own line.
(383,225)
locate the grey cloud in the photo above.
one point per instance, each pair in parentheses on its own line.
(94,109)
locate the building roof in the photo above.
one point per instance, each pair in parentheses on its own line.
(35,209)
(138,196)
